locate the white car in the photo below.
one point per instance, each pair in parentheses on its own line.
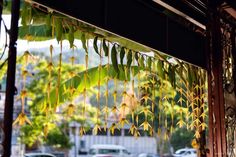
(39,155)
(108,151)
(186,152)
(148,155)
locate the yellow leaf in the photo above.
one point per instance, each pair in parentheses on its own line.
(82,131)
(197,122)
(146,98)
(191,126)
(123,121)
(203,115)
(123,107)
(203,125)
(136,119)
(106,79)
(23,94)
(197,134)
(112,128)
(136,133)
(72,74)
(26,73)
(115,94)
(22,119)
(181,100)
(124,94)
(151,131)
(145,125)
(70,109)
(72,59)
(194,144)
(96,128)
(114,110)
(105,126)
(159,132)
(26,56)
(181,123)
(105,110)
(50,66)
(45,130)
(166,137)
(146,86)
(146,112)
(132,129)
(153,81)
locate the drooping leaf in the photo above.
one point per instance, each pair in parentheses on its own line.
(24,15)
(136,56)
(58,29)
(171,74)
(193,73)
(160,69)
(122,55)
(114,59)
(83,40)
(141,61)
(95,46)
(71,37)
(129,59)
(149,63)
(105,47)
(48,21)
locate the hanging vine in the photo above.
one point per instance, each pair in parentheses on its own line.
(22,117)
(149,100)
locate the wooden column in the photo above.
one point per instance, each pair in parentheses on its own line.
(234,55)
(10,86)
(217,136)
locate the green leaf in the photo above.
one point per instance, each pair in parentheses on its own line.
(58,29)
(83,40)
(24,15)
(114,59)
(189,79)
(129,59)
(141,61)
(37,32)
(95,46)
(79,83)
(160,69)
(193,73)
(171,74)
(149,63)
(136,56)
(71,37)
(122,55)
(48,21)
(105,47)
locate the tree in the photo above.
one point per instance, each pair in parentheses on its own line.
(182,138)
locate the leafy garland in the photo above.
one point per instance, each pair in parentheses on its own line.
(188,81)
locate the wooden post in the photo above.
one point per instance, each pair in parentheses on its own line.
(234,55)
(217,136)
(10,85)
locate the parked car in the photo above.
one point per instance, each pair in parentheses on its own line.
(186,152)
(148,155)
(108,151)
(39,155)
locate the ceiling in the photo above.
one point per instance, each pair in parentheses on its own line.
(196,10)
